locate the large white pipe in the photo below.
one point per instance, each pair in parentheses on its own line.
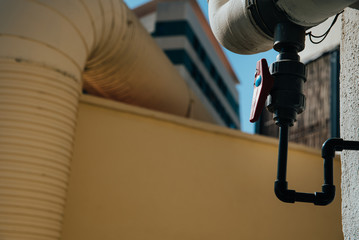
(234,28)
(46,49)
(247,26)
(312,12)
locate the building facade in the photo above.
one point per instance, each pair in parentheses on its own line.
(181,30)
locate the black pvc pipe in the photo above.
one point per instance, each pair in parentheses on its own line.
(328,171)
(281,185)
(328,153)
(282,153)
(328,189)
(351,145)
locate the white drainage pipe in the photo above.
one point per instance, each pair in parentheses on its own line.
(45,46)
(246,26)
(311,13)
(232,25)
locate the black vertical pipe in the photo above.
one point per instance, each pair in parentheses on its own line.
(282,153)
(334,90)
(281,185)
(328,171)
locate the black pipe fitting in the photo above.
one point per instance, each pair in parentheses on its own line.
(282,192)
(286,98)
(328,189)
(330,146)
(291,196)
(326,196)
(266,14)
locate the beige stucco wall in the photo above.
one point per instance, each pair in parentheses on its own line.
(349,118)
(139,174)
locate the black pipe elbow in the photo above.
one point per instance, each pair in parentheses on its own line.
(282,192)
(328,189)
(330,146)
(325,197)
(291,196)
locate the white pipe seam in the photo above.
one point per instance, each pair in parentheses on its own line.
(44,48)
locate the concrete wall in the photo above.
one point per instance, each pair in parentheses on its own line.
(139,174)
(313,51)
(349,104)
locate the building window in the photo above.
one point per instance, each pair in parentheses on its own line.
(183,28)
(180,56)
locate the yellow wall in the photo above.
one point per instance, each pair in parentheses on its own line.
(139,174)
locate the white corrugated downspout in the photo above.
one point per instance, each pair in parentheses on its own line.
(45,46)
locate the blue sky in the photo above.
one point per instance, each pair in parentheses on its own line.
(243,65)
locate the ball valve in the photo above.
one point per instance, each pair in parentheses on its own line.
(253,26)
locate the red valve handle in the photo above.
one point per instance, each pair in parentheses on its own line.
(263,84)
